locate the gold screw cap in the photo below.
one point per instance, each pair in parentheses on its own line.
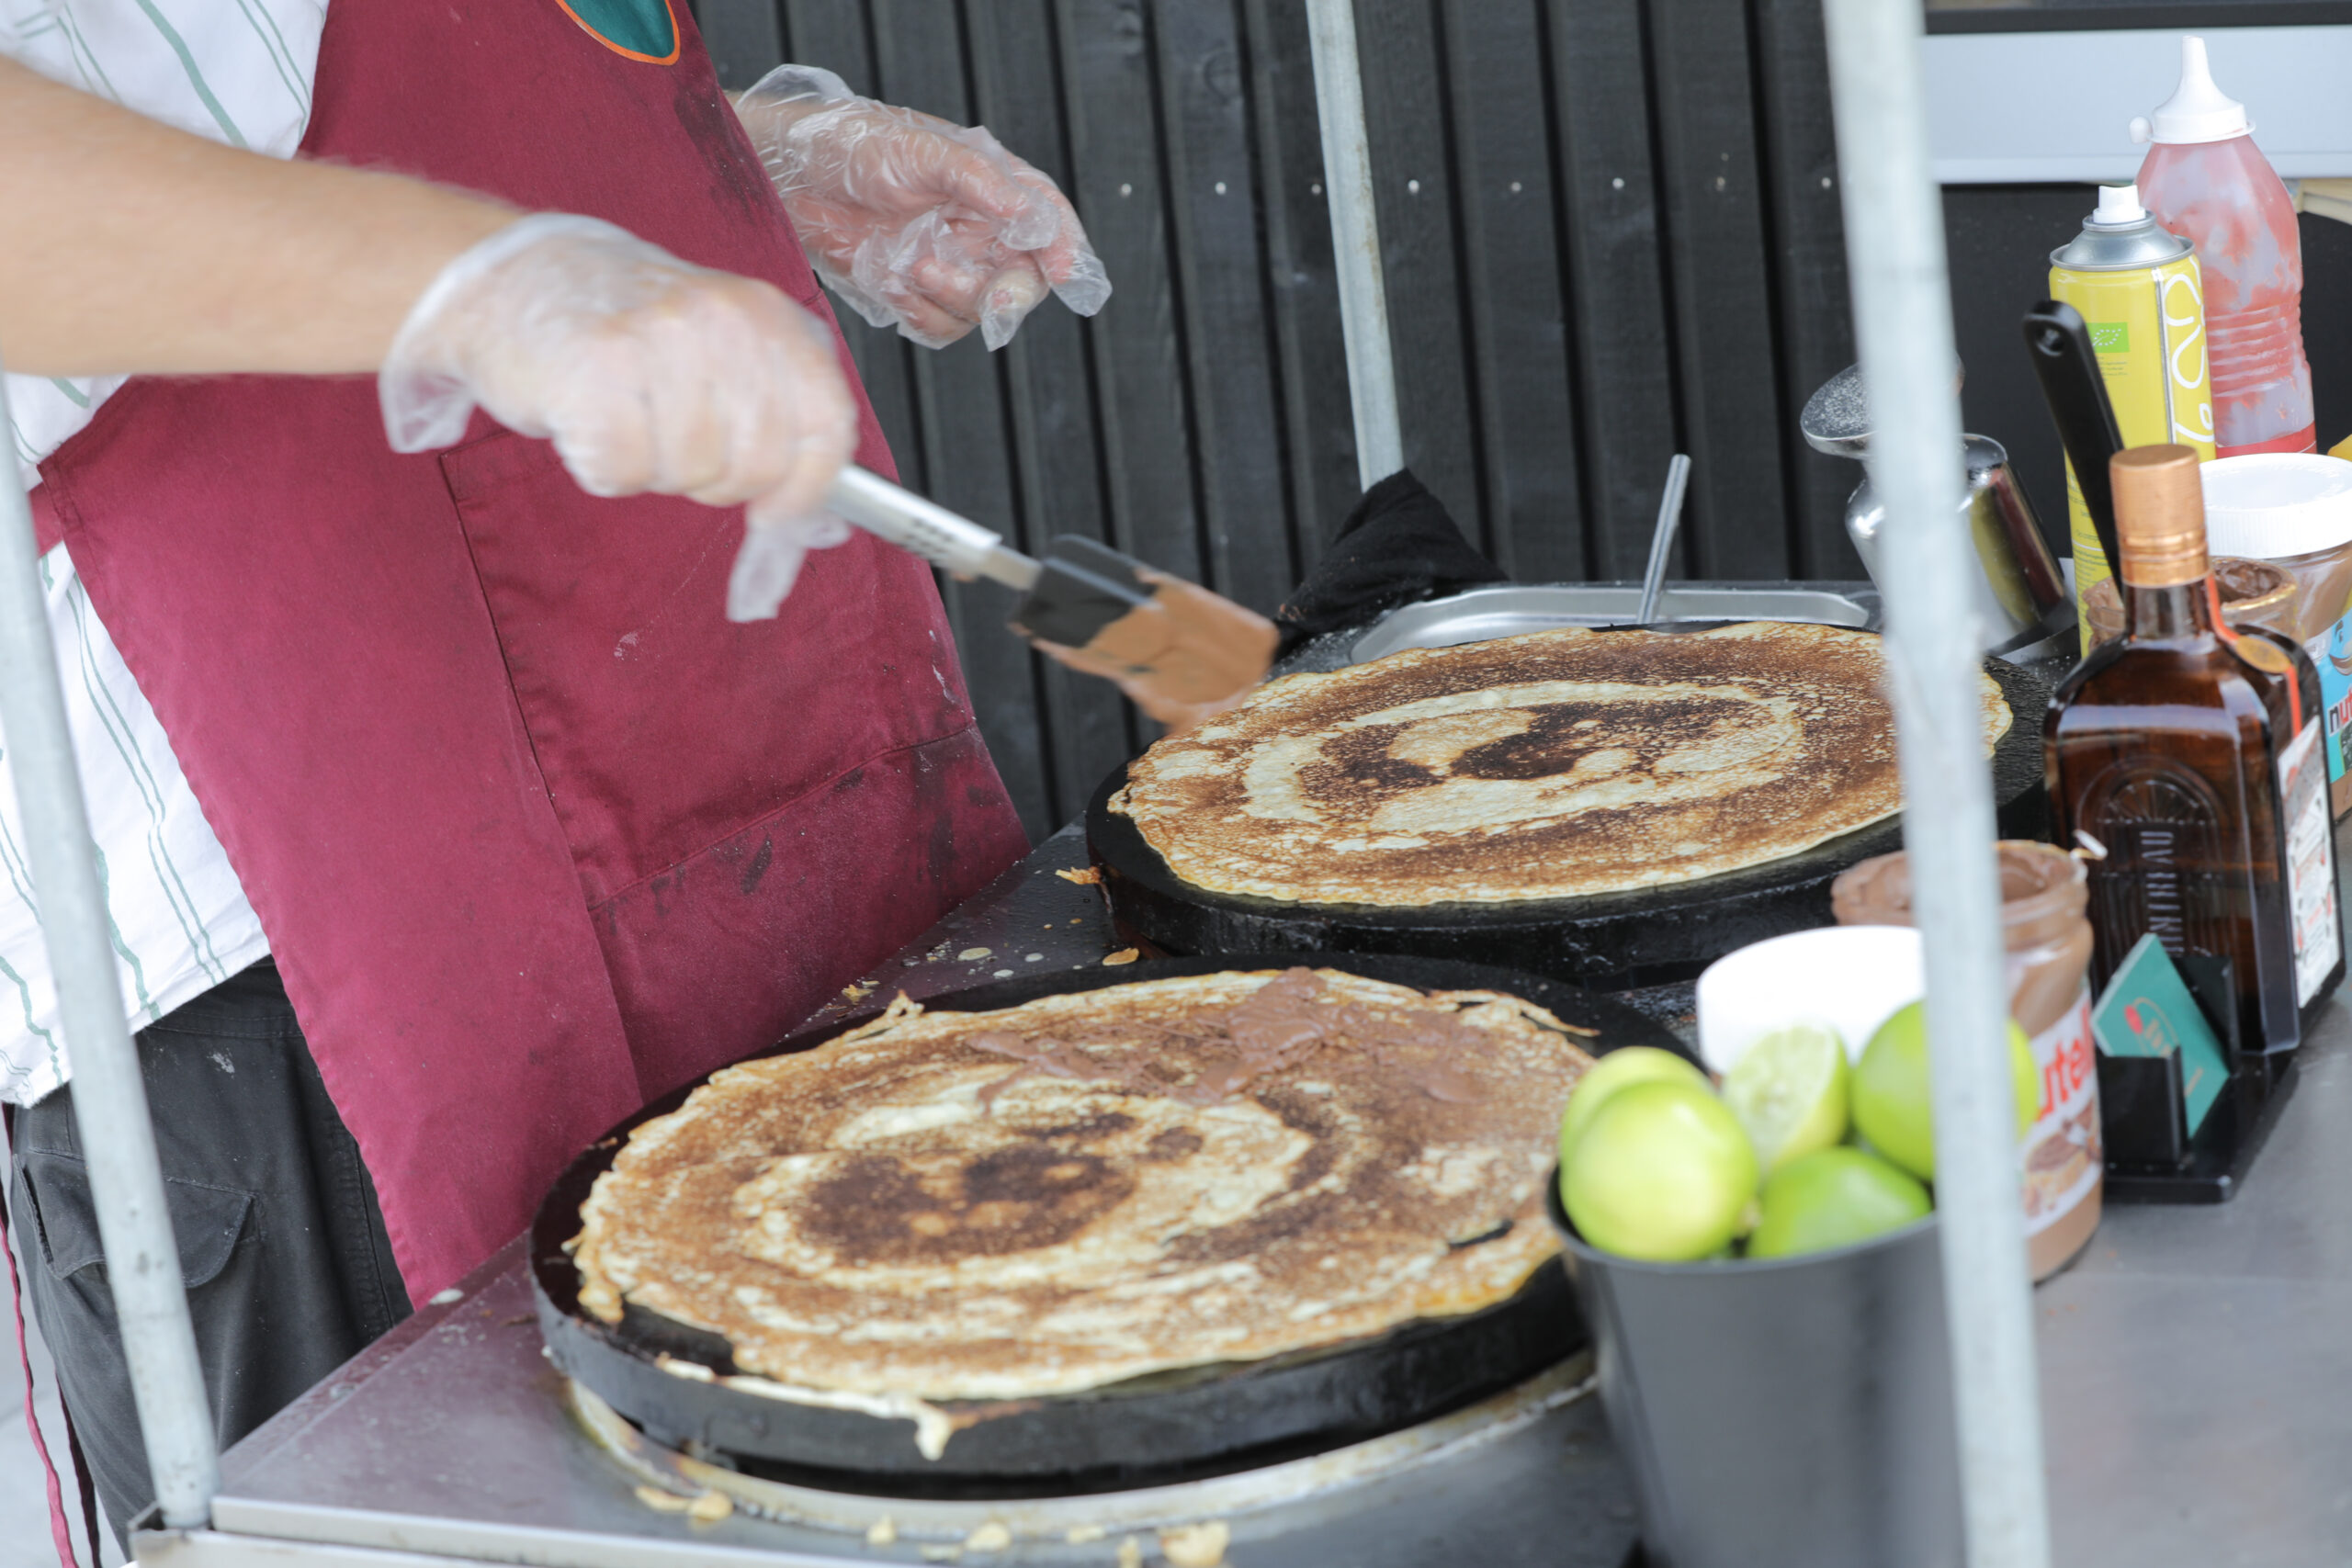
(2159,515)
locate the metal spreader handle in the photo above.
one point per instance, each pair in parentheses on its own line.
(927,529)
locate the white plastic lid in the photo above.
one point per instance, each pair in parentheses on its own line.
(2119,204)
(2198,110)
(2268,506)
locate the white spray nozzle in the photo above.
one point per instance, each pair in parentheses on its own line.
(2198,110)
(2119,204)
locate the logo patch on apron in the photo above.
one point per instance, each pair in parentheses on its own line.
(638,29)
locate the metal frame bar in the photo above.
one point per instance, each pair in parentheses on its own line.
(1355,238)
(109,1098)
(1903,321)
(1903,326)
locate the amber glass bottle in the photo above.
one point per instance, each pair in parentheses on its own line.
(2193,759)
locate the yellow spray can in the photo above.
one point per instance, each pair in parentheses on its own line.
(2138,290)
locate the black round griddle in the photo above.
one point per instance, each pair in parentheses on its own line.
(1610,941)
(1183,1424)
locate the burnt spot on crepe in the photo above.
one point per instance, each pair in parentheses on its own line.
(879,1210)
(1172,1143)
(1564,734)
(1360,761)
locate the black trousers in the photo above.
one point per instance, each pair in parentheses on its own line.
(288,1271)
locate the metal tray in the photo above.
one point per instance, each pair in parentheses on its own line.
(1511,609)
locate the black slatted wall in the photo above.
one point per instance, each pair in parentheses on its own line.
(1610,230)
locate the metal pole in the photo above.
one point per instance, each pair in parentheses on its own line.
(1894,247)
(1355,238)
(109,1101)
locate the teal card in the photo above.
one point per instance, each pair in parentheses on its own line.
(2147,1011)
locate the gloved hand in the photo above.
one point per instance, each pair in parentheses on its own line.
(916,222)
(647,373)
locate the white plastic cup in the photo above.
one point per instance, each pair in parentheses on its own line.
(1850,978)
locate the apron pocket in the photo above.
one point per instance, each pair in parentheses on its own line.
(206,1221)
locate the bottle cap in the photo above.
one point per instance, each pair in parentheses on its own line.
(2119,204)
(2264,505)
(2159,515)
(2198,110)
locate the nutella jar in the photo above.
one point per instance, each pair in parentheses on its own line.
(2253,593)
(2044,893)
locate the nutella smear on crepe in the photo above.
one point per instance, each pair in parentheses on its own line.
(1050,1198)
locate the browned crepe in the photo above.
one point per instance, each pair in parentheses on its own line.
(1091,1187)
(1557,764)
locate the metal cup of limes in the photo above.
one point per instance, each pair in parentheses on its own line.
(1760,1268)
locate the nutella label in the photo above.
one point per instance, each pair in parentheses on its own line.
(2060,1152)
(2310,861)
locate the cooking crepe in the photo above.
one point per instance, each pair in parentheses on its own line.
(1088,1187)
(1557,764)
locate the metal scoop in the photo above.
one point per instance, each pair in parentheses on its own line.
(1180,651)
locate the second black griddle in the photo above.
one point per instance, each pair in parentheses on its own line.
(1167,1427)
(1608,942)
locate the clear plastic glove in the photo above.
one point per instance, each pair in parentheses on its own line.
(916,222)
(645,372)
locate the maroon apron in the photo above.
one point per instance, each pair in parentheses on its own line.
(535,832)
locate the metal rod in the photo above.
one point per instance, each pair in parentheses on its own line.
(1670,517)
(109,1101)
(1355,238)
(1894,246)
(928,529)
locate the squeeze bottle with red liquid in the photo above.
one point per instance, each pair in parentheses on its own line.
(2206,182)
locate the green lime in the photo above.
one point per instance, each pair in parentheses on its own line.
(1788,1091)
(1662,1172)
(1613,1071)
(1894,1105)
(1833,1198)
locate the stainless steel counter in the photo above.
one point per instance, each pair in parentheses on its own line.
(2197,1384)
(2197,1362)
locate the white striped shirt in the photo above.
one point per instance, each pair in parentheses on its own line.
(239,72)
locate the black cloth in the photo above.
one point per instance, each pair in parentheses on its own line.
(1397,546)
(288,1271)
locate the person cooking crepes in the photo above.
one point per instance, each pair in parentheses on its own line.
(438,800)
